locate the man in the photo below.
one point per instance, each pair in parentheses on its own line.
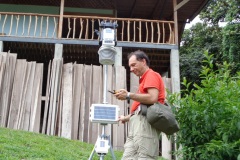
(143,140)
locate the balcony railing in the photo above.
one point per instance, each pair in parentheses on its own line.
(84,27)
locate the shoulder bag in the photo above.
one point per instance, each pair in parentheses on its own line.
(161,118)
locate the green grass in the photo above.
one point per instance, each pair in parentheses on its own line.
(22,145)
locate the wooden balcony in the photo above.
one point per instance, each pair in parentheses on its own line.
(70,29)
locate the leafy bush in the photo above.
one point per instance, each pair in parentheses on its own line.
(209,115)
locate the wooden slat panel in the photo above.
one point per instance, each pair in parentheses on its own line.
(67,101)
(77,81)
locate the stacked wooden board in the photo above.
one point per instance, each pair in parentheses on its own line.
(71,89)
(21,93)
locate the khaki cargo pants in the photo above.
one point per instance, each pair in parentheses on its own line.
(143,140)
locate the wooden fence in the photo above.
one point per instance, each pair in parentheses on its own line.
(70,91)
(83,27)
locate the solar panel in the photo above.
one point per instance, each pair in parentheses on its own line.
(104,113)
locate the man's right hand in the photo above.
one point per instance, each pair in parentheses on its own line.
(123,118)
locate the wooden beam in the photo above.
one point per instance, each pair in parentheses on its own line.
(88,42)
(180,5)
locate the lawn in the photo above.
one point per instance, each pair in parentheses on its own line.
(22,145)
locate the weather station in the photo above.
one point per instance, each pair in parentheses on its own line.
(105,113)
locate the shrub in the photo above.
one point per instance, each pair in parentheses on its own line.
(209,115)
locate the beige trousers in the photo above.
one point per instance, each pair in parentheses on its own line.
(143,140)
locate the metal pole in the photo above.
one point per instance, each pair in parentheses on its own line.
(105,68)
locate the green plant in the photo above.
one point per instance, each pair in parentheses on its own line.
(209,115)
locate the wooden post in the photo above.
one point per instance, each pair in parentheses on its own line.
(175,76)
(118,57)
(60,19)
(58,52)
(175,21)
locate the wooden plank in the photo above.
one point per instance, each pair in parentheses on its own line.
(58,119)
(119,131)
(59,112)
(82,106)
(52,84)
(37,110)
(34,98)
(2,71)
(6,90)
(77,81)
(27,103)
(67,101)
(55,97)
(34,103)
(26,86)
(17,94)
(47,98)
(96,98)
(87,91)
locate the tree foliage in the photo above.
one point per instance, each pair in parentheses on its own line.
(231,45)
(221,10)
(194,42)
(209,115)
(222,42)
